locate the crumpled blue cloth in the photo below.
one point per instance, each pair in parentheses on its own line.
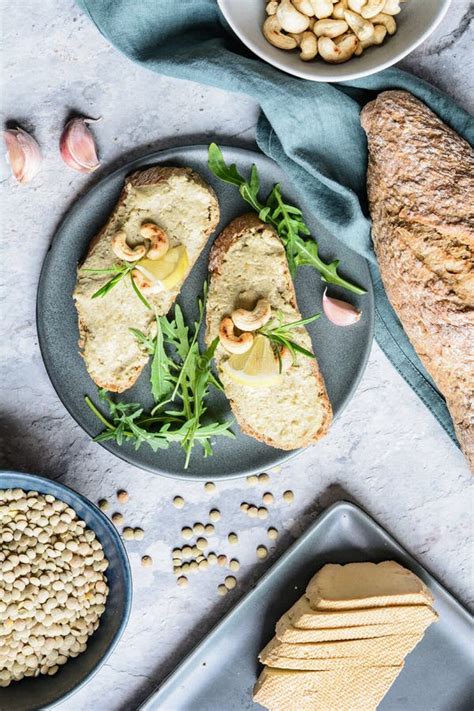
(312,130)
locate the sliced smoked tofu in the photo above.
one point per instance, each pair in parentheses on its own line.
(303,616)
(359,689)
(356,585)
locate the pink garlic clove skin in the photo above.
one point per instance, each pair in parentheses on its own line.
(23,154)
(340,312)
(77,146)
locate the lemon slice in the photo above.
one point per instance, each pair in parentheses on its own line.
(257,368)
(169,270)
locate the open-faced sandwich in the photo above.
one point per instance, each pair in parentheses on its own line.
(140,258)
(264,358)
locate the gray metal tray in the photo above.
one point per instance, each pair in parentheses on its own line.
(221,671)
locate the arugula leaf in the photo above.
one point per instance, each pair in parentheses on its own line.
(287,219)
(181,379)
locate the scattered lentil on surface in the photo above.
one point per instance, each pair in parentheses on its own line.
(138,534)
(222,590)
(202,544)
(209,487)
(262,512)
(288,496)
(122,496)
(233,538)
(203,564)
(198,528)
(222,560)
(261,552)
(234,565)
(215,515)
(178,502)
(147,561)
(187,533)
(268,498)
(230,582)
(252,479)
(187,551)
(272,533)
(263,478)
(127,533)
(212,558)
(209,529)
(117,518)
(103,505)
(182,581)
(244,507)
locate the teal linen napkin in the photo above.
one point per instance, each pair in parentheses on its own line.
(312,130)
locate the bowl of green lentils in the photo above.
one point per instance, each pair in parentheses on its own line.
(65,591)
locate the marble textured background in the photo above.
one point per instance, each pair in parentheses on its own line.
(386,452)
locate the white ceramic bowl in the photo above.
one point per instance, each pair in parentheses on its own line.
(416,21)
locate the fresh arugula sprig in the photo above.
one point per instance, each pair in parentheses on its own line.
(181,378)
(278,332)
(287,219)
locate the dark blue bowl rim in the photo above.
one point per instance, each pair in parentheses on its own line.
(122,554)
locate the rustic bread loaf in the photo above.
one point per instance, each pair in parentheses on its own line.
(249,259)
(180,202)
(420,184)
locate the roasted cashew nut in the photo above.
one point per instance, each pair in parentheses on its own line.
(272,31)
(159,243)
(363,29)
(272,7)
(142,283)
(290,19)
(387,21)
(304,6)
(337,53)
(308,46)
(372,8)
(356,5)
(391,7)
(123,250)
(338,10)
(378,37)
(285,359)
(247,320)
(330,28)
(322,8)
(231,342)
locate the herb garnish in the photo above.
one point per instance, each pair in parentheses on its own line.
(118,271)
(287,219)
(180,378)
(278,335)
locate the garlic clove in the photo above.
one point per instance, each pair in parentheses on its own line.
(340,312)
(77,146)
(23,154)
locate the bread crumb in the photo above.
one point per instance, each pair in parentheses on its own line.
(178,502)
(122,496)
(209,487)
(288,496)
(262,552)
(233,538)
(147,561)
(103,505)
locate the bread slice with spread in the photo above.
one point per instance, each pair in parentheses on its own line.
(277,399)
(160,225)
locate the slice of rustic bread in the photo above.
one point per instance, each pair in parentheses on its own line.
(180,202)
(248,262)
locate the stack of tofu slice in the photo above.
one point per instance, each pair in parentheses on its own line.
(342,645)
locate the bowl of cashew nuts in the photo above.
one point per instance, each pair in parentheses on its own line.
(333,40)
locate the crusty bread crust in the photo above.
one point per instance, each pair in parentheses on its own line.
(234,231)
(420,183)
(152,176)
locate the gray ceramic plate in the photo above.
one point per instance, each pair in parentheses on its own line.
(221,672)
(342,352)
